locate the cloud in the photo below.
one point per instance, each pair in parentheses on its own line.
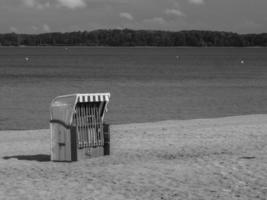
(46,28)
(174,12)
(197,2)
(127,16)
(155,20)
(42,4)
(13,29)
(36,4)
(29,3)
(72,4)
(41,28)
(248,25)
(35,28)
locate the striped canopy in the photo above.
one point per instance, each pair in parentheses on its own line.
(96,97)
(63,107)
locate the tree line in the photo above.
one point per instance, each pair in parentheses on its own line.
(127,37)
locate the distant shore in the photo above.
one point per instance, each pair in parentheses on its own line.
(111,47)
(128,37)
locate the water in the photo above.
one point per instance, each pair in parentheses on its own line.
(146,84)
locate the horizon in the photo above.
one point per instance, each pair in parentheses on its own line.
(152,30)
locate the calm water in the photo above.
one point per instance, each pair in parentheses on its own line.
(147,84)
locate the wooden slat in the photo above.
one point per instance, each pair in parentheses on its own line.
(79,126)
(90,126)
(94,125)
(83,124)
(62,143)
(96,121)
(99,127)
(74,147)
(55,140)
(106,139)
(96,133)
(67,144)
(87,125)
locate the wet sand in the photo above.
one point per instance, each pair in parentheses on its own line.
(223,158)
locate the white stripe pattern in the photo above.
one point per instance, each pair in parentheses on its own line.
(97,97)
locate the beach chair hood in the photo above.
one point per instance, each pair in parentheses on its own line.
(62,108)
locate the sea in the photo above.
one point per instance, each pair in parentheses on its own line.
(146,83)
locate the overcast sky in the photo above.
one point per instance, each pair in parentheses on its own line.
(38,16)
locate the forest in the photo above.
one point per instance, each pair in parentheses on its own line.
(127,37)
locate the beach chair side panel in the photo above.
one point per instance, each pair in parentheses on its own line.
(61,145)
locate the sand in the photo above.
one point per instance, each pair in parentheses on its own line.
(224,158)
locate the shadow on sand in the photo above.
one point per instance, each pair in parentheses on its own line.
(37,157)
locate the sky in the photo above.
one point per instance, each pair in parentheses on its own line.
(40,16)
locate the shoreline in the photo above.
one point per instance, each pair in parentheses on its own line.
(168,121)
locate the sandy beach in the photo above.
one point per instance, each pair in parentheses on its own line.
(222,158)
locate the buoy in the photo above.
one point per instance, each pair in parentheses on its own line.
(177,59)
(242,62)
(27,58)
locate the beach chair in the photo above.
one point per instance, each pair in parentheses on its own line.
(77,126)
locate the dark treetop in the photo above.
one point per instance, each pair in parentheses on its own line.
(128,37)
